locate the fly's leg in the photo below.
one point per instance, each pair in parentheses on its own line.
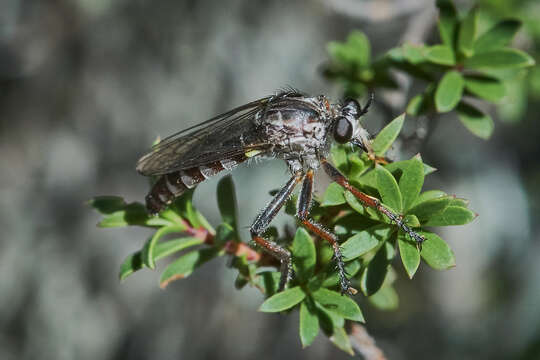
(370,201)
(365,142)
(304,202)
(263,220)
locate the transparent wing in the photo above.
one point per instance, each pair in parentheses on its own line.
(221,137)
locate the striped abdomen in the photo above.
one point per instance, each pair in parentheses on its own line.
(172,185)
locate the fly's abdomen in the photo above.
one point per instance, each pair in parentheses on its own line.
(170,186)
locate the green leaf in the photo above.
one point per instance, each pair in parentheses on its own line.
(388,189)
(464,203)
(304,255)
(107,204)
(498,36)
(185,265)
(355,51)
(339,304)
(365,241)
(329,320)
(467,33)
(203,222)
(449,91)
(325,321)
(436,253)
(500,58)
(226,197)
(148,249)
(426,209)
(411,221)
(368,179)
(419,104)
(534,82)
(332,277)
(170,215)
(225,232)
(398,167)
(411,181)
(240,282)
(513,108)
(476,121)
(333,195)
(309,324)
(410,256)
(339,158)
(290,205)
(452,215)
(485,87)
(131,264)
(389,248)
(358,165)
(245,269)
(428,195)
(441,54)
(395,55)
(269,281)
(428,169)
(352,223)
(169,247)
(134,262)
(341,340)
(325,254)
(183,205)
(283,300)
(388,135)
(130,214)
(448,22)
(385,299)
(414,53)
(373,276)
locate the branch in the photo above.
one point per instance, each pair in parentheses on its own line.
(364,344)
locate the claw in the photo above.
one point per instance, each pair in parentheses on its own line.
(346,287)
(419,239)
(378,159)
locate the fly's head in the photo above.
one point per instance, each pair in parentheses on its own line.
(346,126)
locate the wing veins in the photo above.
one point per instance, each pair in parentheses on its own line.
(156,162)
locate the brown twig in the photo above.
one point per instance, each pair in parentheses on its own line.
(364,344)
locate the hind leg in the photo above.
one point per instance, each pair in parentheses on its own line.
(262,222)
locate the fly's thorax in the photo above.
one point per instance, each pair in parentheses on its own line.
(296,128)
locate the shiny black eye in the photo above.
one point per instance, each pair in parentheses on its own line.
(343,130)
(351,107)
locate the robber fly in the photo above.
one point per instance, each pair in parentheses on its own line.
(291,126)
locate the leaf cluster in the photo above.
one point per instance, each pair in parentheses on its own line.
(369,242)
(466,65)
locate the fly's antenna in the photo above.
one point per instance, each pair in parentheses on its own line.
(368,104)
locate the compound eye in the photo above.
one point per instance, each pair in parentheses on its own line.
(343,130)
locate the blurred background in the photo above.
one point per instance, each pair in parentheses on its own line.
(87,85)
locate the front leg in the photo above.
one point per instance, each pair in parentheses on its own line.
(370,201)
(304,202)
(364,143)
(265,218)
